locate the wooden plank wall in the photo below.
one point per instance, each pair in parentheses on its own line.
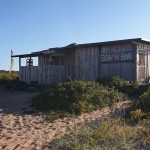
(24,74)
(46,74)
(69,66)
(125,70)
(84,63)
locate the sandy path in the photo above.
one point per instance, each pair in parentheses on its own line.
(19,131)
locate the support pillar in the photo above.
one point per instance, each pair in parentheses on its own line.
(30,70)
(20,69)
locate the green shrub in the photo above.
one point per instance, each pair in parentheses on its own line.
(132,89)
(144,102)
(119,83)
(6,77)
(11,81)
(106,81)
(77,97)
(140,109)
(136,115)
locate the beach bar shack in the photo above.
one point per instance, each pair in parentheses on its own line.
(128,59)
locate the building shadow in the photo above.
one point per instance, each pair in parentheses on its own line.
(16,102)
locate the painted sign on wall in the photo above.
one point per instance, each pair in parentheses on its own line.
(122,56)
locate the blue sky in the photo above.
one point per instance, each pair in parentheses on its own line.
(32,25)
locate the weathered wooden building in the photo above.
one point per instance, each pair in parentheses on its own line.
(129,59)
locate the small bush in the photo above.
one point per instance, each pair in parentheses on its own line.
(144,122)
(144,102)
(11,81)
(6,77)
(136,115)
(140,109)
(106,81)
(118,83)
(77,97)
(132,89)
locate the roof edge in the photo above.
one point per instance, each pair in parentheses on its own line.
(74,45)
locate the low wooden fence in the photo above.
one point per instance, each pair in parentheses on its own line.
(47,74)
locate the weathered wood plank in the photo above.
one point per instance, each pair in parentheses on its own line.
(43,74)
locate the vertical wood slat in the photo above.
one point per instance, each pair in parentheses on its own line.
(46,74)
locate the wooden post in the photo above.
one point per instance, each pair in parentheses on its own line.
(20,68)
(135,53)
(99,63)
(66,67)
(19,63)
(147,69)
(29,70)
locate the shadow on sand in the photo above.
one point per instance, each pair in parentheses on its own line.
(16,102)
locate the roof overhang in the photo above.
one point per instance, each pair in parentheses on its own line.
(27,55)
(38,54)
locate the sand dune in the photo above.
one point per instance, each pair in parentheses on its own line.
(19,131)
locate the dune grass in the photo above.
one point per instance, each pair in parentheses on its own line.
(76,97)
(131,132)
(109,134)
(6,76)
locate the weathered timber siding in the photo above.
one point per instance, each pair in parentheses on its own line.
(56,60)
(24,74)
(84,62)
(46,74)
(124,69)
(69,65)
(43,60)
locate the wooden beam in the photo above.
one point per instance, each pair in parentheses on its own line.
(19,63)
(30,70)
(19,68)
(27,55)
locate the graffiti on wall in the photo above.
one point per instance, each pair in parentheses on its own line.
(122,56)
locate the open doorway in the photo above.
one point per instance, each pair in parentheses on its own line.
(142,67)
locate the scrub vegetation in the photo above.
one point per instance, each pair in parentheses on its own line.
(109,134)
(77,97)
(5,76)
(7,79)
(11,81)
(131,132)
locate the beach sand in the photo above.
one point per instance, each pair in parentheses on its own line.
(22,131)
